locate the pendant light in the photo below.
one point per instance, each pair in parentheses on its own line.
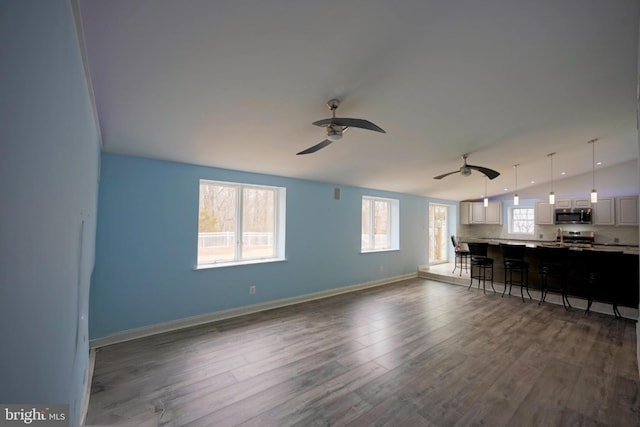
(552,196)
(486,199)
(594,193)
(516,198)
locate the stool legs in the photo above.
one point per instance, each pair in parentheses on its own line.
(523,282)
(482,277)
(565,296)
(461,262)
(616,312)
(592,284)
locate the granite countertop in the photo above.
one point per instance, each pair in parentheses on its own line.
(627,249)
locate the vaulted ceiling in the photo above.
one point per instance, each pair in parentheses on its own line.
(237,84)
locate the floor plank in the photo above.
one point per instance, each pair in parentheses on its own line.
(417,352)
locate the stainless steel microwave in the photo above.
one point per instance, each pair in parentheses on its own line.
(573,216)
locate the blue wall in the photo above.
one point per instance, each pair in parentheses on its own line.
(49,157)
(147,237)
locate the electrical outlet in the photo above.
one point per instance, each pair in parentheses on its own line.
(381,268)
(252,290)
(616,240)
(540,236)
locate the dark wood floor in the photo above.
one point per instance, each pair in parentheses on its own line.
(414,353)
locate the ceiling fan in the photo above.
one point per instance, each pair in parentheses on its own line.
(336,126)
(465,170)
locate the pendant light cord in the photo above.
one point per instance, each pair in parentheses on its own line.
(551,156)
(593,162)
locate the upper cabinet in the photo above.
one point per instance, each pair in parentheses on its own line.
(581,203)
(573,203)
(493,214)
(476,213)
(626,210)
(544,213)
(603,212)
(607,211)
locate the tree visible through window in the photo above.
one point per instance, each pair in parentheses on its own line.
(237,222)
(521,220)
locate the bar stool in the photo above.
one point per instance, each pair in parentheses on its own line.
(513,259)
(462,256)
(482,264)
(553,269)
(603,278)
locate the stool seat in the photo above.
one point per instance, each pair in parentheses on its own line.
(552,269)
(516,264)
(481,261)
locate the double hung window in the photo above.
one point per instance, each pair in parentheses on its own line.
(379,229)
(239,223)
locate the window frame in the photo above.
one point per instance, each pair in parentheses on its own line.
(279,226)
(511,220)
(393,224)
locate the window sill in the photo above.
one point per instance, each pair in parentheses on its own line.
(373,251)
(238,263)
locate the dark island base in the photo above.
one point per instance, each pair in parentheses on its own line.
(623,284)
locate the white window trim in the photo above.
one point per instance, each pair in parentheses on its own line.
(279,226)
(393,221)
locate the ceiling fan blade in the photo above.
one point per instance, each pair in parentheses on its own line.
(357,123)
(315,147)
(490,173)
(446,174)
(348,122)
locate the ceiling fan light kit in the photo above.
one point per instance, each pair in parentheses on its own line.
(465,170)
(337,125)
(334,133)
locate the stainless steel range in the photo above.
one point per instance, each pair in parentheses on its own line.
(581,239)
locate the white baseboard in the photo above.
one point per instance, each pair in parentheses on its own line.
(144,331)
(88,376)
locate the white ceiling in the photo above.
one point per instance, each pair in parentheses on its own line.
(237,84)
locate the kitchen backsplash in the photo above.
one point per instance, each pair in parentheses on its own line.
(604,234)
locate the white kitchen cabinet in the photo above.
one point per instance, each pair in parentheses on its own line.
(493,213)
(603,212)
(544,213)
(626,210)
(581,203)
(465,213)
(573,204)
(476,213)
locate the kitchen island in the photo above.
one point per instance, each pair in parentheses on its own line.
(624,276)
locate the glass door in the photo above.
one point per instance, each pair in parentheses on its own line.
(438,234)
